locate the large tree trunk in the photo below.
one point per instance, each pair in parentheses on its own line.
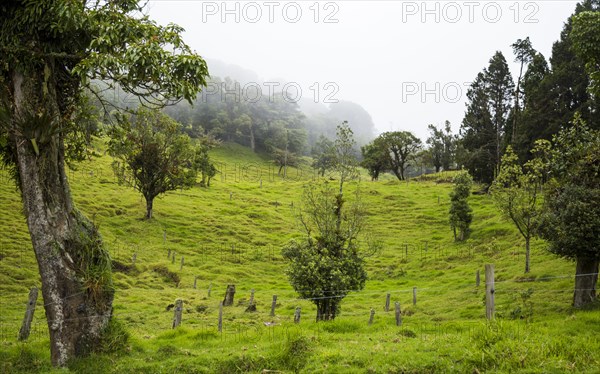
(74,267)
(402,176)
(397,173)
(586,277)
(326,309)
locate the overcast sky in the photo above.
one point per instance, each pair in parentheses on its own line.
(408,63)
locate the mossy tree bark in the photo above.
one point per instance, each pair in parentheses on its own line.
(74,267)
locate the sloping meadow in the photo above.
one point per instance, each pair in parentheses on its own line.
(203,239)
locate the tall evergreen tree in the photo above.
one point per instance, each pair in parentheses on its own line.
(478,135)
(524,54)
(484,124)
(500,92)
(536,113)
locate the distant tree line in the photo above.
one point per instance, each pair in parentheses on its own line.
(284,127)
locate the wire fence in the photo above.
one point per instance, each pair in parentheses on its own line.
(515,300)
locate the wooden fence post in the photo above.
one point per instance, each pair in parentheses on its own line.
(273,304)
(398,315)
(178,311)
(251,307)
(173,258)
(371,316)
(489,291)
(195,280)
(209,286)
(229,294)
(220,316)
(477,279)
(26,326)
(387,302)
(414,295)
(297,315)
(181,266)
(169,254)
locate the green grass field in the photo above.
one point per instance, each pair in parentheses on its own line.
(232,233)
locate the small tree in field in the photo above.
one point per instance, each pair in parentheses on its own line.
(460,212)
(517,191)
(327,263)
(154,154)
(375,158)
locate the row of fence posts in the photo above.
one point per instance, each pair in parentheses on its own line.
(489,306)
(230,293)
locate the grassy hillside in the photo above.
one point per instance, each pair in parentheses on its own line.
(232,233)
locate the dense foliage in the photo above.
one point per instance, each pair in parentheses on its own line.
(571,220)
(153,155)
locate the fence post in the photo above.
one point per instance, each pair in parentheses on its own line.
(209,286)
(169,254)
(229,294)
(477,279)
(398,315)
(489,291)
(414,295)
(181,266)
(251,307)
(273,305)
(26,326)
(297,315)
(387,302)
(371,316)
(220,316)
(178,311)
(195,280)
(173,258)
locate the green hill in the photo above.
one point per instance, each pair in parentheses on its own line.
(232,233)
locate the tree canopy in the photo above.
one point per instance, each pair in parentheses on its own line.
(152,153)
